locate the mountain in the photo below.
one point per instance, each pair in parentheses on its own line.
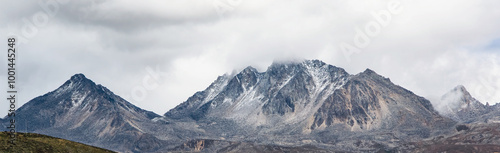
(462,107)
(82,111)
(31,142)
(311,102)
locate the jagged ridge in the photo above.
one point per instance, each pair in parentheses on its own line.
(299,98)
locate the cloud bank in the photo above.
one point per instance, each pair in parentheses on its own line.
(158,53)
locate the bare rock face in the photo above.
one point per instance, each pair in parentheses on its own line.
(370,101)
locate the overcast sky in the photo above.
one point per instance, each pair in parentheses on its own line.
(426,46)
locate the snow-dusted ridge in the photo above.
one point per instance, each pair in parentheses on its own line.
(247,97)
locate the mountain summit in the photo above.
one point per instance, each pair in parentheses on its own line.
(460,106)
(83,111)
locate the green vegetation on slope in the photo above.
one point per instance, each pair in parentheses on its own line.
(37,143)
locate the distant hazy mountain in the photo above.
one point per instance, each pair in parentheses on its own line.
(462,107)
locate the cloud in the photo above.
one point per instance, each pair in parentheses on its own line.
(429,47)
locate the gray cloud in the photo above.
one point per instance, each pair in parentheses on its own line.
(429,47)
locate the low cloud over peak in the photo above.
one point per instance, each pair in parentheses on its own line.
(428,47)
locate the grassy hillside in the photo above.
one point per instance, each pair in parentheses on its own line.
(37,143)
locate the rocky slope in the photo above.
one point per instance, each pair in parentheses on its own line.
(370,101)
(478,137)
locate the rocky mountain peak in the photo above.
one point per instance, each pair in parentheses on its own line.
(314,63)
(249,69)
(78,77)
(90,112)
(296,65)
(369,72)
(461,96)
(247,74)
(283,67)
(78,97)
(460,87)
(77,82)
(459,105)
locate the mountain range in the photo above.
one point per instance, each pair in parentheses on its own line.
(307,106)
